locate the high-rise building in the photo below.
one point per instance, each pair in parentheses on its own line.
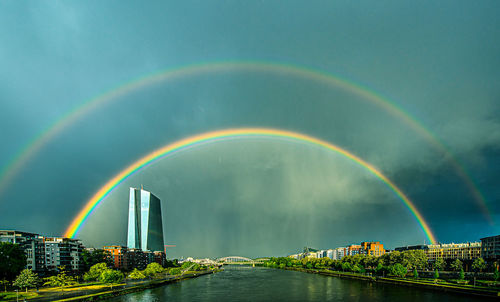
(145,229)
(490,249)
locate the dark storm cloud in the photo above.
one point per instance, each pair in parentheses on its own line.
(438,61)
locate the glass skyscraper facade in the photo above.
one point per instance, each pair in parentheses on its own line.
(145,229)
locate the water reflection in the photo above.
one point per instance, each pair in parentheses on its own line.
(237,283)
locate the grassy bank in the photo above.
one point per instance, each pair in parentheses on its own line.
(133,289)
(96,291)
(432,284)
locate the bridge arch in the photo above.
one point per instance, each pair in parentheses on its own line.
(234,259)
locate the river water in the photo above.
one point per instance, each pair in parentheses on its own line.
(238,283)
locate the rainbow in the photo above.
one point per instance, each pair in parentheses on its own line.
(228,134)
(21,158)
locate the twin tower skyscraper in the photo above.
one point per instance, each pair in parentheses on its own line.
(145,228)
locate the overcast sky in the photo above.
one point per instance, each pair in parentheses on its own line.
(439,61)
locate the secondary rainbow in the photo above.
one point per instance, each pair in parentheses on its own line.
(21,158)
(227,134)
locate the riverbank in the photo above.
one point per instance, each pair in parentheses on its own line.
(139,287)
(104,291)
(418,283)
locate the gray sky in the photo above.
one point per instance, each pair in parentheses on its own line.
(437,61)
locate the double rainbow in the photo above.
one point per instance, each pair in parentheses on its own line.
(22,157)
(230,134)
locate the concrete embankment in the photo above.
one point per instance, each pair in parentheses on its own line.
(469,290)
(132,289)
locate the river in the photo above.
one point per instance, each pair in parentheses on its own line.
(237,283)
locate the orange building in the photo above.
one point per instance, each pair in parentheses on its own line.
(118,254)
(373,248)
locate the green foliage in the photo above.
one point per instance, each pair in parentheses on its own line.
(310,263)
(95,272)
(136,274)
(94,257)
(461,275)
(101,272)
(60,280)
(391,258)
(346,266)
(496,274)
(111,276)
(439,264)
(436,274)
(356,268)
(153,269)
(26,279)
(479,264)
(4,283)
(171,263)
(414,259)
(456,265)
(175,271)
(415,273)
(398,270)
(12,260)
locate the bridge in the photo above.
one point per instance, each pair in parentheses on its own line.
(240,260)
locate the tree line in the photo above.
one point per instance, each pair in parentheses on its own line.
(394,263)
(96,267)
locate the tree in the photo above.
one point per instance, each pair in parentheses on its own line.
(391,258)
(111,276)
(356,268)
(414,259)
(91,258)
(154,268)
(346,266)
(26,279)
(439,264)
(4,283)
(415,273)
(174,271)
(171,263)
(479,264)
(95,272)
(456,265)
(461,275)
(136,274)
(12,260)
(436,274)
(398,270)
(496,274)
(60,280)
